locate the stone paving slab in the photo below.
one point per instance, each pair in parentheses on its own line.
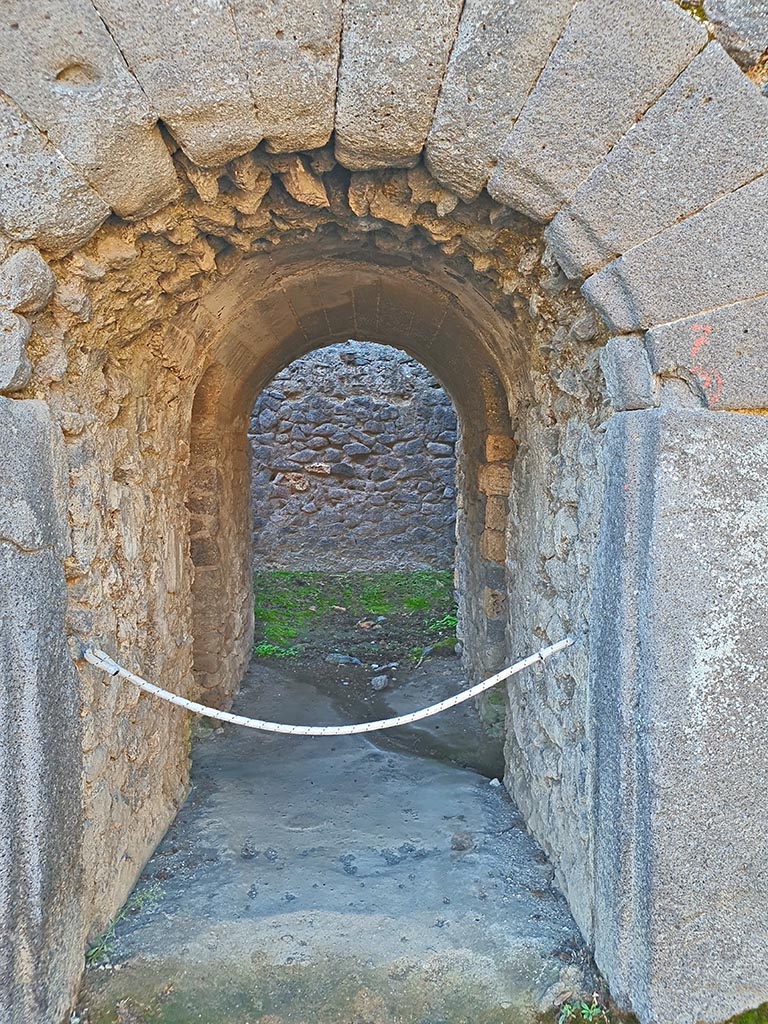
(715,258)
(499,53)
(186,58)
(59,63)
(42,197)
(615,58)
(307,876)
(393,59)
(291,52)
(722,353)
(705,137)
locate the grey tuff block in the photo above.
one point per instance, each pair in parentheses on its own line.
(59,63)
(393,60)
(500,50)
(606,70)
(705,137)
(721,353)
(717,257)
(291,52)
(42,197)
(678,676)
(627,371)
(186,58)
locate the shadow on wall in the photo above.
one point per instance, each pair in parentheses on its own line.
(353,464)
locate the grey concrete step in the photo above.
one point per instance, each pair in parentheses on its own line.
(186,58)
(393,60)
(716,257)
(613,60)
(41,195)
(499,53)
(59,63)
(707,135)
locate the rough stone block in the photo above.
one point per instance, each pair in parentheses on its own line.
(741,26)
(33,477)
(707,135)
(59,63)
(678,680)
(41,820)
(628,376)
(15,368)
(722,352)
(393,59)
(291,53)
(499,448)
(492,545)
(495,479)
(499,52)
(26,282)
(613,60)
(718,256)
(42,198)
(496,513)
(186,58)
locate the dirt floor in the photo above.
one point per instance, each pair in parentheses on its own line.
(380,879)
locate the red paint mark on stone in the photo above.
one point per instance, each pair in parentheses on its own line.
(709,378)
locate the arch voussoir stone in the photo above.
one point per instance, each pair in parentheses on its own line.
(393,59)
(606,70)
(42,197)
(714,258)
(291,52)
(706,136)
(59,63)
(186,58)
(720,352)
(499,53)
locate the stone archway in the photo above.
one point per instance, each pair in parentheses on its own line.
(634,762)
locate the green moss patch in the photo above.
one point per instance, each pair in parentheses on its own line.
(374,617)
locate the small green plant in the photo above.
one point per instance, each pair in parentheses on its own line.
(448,622)
(100,950)
(264,649)
(579,1010)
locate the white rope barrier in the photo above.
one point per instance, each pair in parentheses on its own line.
(112,668)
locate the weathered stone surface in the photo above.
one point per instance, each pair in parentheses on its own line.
(500,50)
(26,281)
(187,60)
(15,368)
(41,813)
(565,129)
(42,198)
(721,353)
(718,256)
(60,65)
(706,136)
(291,53)
(678,675)
(627,371)
(302,184)
(741,26)
(33,480)
(495,479)
(393,59)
